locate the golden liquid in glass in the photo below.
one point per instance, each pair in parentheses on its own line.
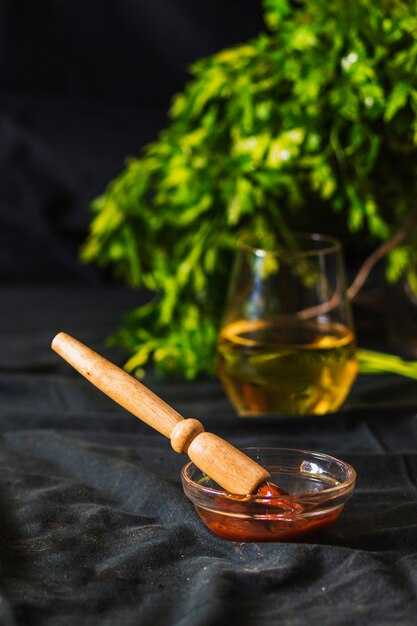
(294,368)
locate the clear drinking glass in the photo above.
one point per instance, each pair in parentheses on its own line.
(286,344)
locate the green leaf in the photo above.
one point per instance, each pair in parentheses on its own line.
(276,11)
(397,262)
(397,100)
(241,202)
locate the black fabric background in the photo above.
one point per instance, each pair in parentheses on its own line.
(83,85)
(94,527)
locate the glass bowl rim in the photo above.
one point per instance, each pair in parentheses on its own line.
(345,486)
(334,245)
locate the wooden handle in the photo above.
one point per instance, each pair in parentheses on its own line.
(225,464)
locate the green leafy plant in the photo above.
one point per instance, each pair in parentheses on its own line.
(312,122)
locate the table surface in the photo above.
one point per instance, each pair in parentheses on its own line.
(95,528)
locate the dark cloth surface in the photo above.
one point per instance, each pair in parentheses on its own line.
(95,528)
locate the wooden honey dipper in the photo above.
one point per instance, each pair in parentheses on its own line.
(226,465)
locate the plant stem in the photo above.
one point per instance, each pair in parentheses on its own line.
(372,259)
(372,362)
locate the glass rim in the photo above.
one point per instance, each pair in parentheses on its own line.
(330,245)
(347,484)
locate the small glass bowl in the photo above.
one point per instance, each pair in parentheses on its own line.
(318,486)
